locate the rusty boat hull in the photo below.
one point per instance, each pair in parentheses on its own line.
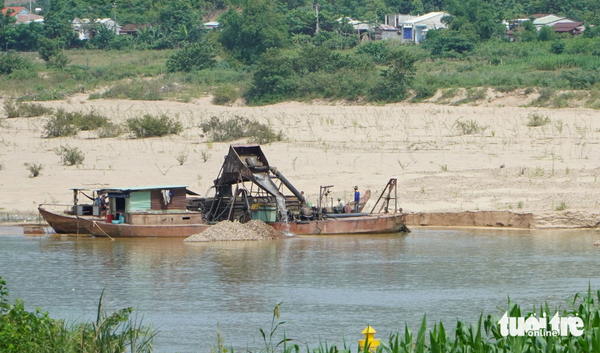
(124,230)
(64,224)
(368,224)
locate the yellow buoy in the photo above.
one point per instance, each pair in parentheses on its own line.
(370,339)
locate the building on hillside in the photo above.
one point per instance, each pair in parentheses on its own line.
(414,28)
(396,20)
(573,28)
(132,29)
(85,28)
(558,23)
(385,32)
(541,20)
(22,15)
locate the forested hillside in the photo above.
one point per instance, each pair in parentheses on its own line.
(268,50)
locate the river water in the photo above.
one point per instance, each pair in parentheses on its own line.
(331,287)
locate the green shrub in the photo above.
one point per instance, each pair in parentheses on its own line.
(47,95)
(194,56)
(546,33)
(396,78)
(449,93)
(10,108)
(10,62)
(136,90)
(65,123)
(225,94)
(59,126)
(58,61)
(27,110)
(47,48)
(273,78)
(422,93)
(545,95)
(535,120)
(561,206)
(151,126)
(88,121)
(109,130)
(378,51)
(34,169)
(468,127)
(580,78)
(473,95)
(447,44)
(557,47)
(239,127)
(35,332)
(70,155)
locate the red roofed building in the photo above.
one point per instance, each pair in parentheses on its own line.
(21,14)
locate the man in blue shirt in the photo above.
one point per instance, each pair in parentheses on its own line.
(356,199)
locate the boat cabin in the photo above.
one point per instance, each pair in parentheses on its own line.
(150,205)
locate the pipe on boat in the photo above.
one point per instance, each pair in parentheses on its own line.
(289,185)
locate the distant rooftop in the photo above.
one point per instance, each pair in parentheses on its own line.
(425,17)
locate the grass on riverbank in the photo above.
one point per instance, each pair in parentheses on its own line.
(142,75)
(483,337)
(35,332)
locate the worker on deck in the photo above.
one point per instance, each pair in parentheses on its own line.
(339,208)
(356,199)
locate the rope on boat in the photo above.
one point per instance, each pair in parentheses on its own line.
(102,230)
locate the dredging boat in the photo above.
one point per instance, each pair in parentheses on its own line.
(154,211)
(69,221)
(246,188)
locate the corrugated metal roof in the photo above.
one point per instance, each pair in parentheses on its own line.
(362,26)
(144,188)
(426,17)
(388,28)
(547,19)
(566,26)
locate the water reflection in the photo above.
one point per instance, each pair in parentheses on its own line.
(331,286)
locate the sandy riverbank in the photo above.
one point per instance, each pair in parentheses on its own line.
(507,167)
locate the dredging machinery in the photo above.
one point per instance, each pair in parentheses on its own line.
(248,187)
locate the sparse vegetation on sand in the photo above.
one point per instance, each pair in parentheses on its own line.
(238,127)
(535,120)
(153,126)
(70,155)
(64,123)
(16,109)
(35,169)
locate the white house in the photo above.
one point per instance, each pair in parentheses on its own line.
(85,28)
(414,28)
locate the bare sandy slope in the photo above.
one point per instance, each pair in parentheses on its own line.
(508,166)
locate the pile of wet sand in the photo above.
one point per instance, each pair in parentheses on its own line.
(227,230)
